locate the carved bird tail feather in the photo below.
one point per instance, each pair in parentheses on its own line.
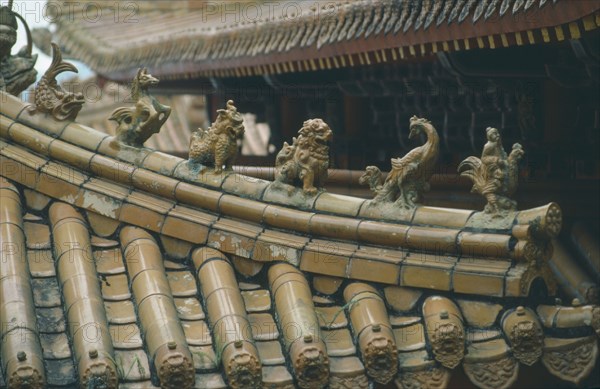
(58,66)
(475,170)
(512,178)
(469,165)
(398,167)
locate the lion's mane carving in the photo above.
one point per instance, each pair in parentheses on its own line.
(305,162)
(217,146)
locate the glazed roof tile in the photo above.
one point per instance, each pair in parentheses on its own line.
(164,280)
(331,234)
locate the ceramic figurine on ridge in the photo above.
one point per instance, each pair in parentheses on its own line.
(50,97)
(495,175)
(217,146)
(138,123)
(17,72)
(305,162)
(410,175)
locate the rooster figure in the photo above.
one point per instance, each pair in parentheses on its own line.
(138,123)
(410,174)
(50,97)
(495,175)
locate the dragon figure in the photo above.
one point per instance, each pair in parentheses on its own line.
(50,97)
(138,123)
(410,174)
(495,175)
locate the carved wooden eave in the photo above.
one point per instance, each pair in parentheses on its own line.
(194,42)
(181,271)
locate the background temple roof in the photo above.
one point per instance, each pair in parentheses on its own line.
(242,38)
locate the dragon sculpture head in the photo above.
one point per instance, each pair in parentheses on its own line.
(50,97)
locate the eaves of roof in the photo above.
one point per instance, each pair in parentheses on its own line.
(190,44)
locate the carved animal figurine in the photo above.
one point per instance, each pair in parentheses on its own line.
(138,123)
(306,160)
(17,72)
(372,177)
(410,174)
(50,97)
(495,176)
(218,146)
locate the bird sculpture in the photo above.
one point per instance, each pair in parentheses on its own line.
(495,175)
(410,175)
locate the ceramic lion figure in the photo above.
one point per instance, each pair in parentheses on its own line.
(218,146)
(306,160)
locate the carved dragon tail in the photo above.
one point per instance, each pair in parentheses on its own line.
(58,66)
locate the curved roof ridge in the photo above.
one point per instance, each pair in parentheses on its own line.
(234,213)
(156,169)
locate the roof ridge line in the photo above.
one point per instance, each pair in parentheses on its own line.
(253,189)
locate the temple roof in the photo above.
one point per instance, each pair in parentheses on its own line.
(198,39)
(252,208)
(132,267)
